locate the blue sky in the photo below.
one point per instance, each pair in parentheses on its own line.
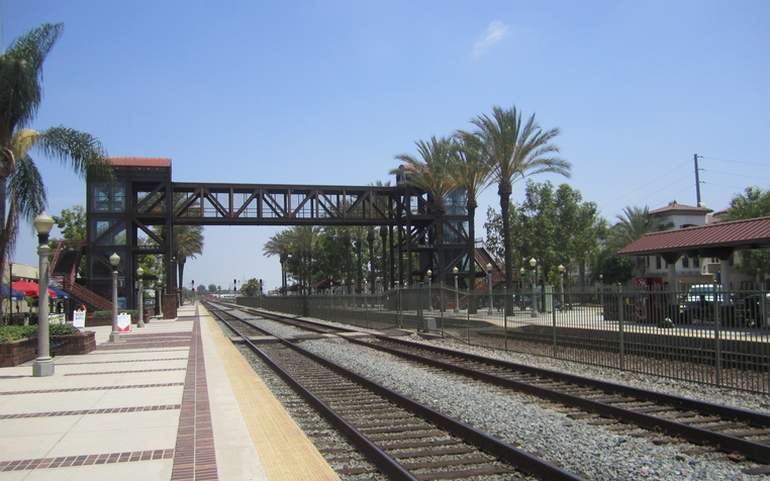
(328,92)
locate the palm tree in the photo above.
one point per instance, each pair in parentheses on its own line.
(432,172)
(20,96)
(471,171)
(279,245)
(516,150)
(188,243)
(632,224)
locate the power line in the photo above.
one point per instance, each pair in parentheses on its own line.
(736,174)
(757,164)
(633,191)
(659,189)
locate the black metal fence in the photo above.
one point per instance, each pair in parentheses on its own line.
(704,334)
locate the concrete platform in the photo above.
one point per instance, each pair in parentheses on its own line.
(173,401)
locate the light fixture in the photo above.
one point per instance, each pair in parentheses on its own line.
(43,224)
(429,273)
(114,259)
(561,268)
(455,270)
(532,262)
(139,272)
(489,266)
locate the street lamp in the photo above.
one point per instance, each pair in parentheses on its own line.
(562,270)
(489,284)
(429,278)
(140,296)
(455,270)
(533,265)
(159,293)
(114,262)
(43,365)
(193,289)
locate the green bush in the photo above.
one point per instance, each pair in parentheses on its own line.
(14,333)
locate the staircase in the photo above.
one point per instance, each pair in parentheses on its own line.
(69,284)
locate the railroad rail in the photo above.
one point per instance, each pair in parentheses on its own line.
(726,428)
(404,439)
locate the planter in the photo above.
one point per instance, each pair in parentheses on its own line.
(18,352)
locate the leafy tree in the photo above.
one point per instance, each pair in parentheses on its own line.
(555,226)
(212,288)
(201,289)
(516,150)
(752,202)
(250,287)
(72,223)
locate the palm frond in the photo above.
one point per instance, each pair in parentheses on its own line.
(80,150)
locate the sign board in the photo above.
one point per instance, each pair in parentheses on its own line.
(79,319)
(56,318)
(124,322)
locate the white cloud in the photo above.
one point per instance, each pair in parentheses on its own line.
(495,32)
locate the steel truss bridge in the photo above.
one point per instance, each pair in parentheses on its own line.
(135,212)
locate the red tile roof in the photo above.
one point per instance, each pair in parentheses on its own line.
(737,233)
(140,161)
(675,206)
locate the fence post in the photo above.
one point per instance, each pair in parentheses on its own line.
(621,318)
(468,316)
(399,306)
(505,318)
(763,323)
(717,340)
(553,326)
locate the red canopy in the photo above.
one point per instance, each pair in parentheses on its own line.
(30,288)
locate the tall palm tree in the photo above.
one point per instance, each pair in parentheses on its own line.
(471,171)
(279,245)
(21,69)
(431,171)
(516,150)
(188,243)
(632,224)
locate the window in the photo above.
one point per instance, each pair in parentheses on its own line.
(686,261)
(696,261)
(109,197)
(116,236)
(658,262)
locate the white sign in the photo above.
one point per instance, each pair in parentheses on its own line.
(124,322)
(79,319)
(56,318)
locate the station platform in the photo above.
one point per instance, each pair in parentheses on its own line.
(173,401)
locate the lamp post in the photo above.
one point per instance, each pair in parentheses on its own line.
(562,270)
(601,293)
(429,278)
(192,283)
(533,265)
(455,270)
(140,298)
(114,262)
(43,365)
(489,285)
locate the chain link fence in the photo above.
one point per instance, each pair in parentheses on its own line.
(704,334)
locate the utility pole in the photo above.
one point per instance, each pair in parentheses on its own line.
(695,158)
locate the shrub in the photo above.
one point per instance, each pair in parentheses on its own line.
(14,333)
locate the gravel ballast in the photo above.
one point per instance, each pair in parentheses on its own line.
(588,450)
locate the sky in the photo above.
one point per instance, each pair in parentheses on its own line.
(328,92)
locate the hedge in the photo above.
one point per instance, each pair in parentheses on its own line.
(14,333)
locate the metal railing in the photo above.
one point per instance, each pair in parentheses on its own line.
(706,334)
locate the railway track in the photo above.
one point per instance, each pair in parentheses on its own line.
(404,439)
(725,428)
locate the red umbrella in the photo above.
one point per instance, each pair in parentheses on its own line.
(30,288)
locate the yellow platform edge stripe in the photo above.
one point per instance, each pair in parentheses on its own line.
(284,450)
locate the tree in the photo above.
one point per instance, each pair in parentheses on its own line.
(632,224)
(279,244)
(431,171)
(201,289)
(250,287)
(20,95)
(72,223)
(752,202)
(470,171)
(212,288)
(188,243)
(516,150)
